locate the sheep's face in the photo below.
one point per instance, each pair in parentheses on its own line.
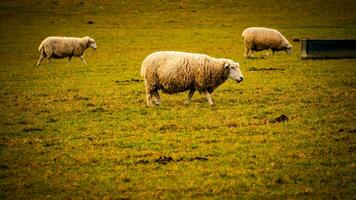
(91,43)
(234,71)
(288,49)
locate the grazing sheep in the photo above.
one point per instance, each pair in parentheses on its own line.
(259,38)
(174,72)
(61,47)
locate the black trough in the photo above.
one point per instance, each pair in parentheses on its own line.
(328,48)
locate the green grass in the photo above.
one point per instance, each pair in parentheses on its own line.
(75,131)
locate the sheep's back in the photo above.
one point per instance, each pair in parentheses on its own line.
(64,46)
(174,71)
(264,37)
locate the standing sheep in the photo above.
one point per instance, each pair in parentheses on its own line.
(174,72)
(259,38)
(61,47)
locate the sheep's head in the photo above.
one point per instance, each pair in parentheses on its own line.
(288,49)
(91,43)
(234,71)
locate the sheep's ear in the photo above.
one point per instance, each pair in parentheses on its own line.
(226,65)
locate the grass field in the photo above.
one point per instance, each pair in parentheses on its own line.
(84,132)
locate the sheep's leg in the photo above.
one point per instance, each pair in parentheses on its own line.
(247,48)
(246,52)
(69,59)
(40,59)
(249,53)
(190,95)
(82,58)
(158,98)
(149,99)
(208,97)
(273,51)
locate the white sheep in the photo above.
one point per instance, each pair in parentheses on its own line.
(260,38)
(174,72)
(62,47)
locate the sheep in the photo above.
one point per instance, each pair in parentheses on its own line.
(260,38)
(61,47)
(174,72)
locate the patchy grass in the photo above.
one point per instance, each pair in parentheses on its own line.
(75,131)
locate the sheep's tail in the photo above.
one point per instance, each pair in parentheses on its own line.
(243,33)
(41,47)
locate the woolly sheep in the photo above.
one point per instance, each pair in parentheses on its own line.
(61,47)
(174,72)
(260,38)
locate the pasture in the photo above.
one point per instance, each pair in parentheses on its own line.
(75,131)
